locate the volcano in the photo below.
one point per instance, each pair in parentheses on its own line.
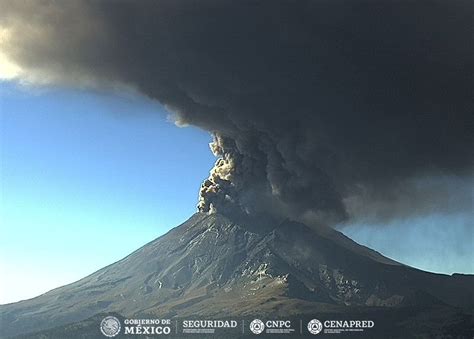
(214,266)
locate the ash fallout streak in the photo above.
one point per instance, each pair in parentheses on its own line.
(317,107)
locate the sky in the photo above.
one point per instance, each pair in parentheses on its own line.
(88,177)
(322,111)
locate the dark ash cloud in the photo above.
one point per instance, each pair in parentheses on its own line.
(311,102)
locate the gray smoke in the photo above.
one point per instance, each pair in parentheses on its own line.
(319,108)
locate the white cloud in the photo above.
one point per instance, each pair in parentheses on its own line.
(8,69)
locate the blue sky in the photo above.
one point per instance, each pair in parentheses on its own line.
(86,178)
(441,243)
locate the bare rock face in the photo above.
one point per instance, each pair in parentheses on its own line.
(213,266)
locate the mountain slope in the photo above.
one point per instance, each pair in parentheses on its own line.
(211,265)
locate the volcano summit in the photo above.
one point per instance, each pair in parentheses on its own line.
(212,266)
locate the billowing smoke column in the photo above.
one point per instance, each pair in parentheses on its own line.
(219,188)
(255,177)
(321,110)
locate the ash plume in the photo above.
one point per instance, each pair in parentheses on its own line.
(318,108)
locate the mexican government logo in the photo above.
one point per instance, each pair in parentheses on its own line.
(315,326)
(257,326)
(110,326)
